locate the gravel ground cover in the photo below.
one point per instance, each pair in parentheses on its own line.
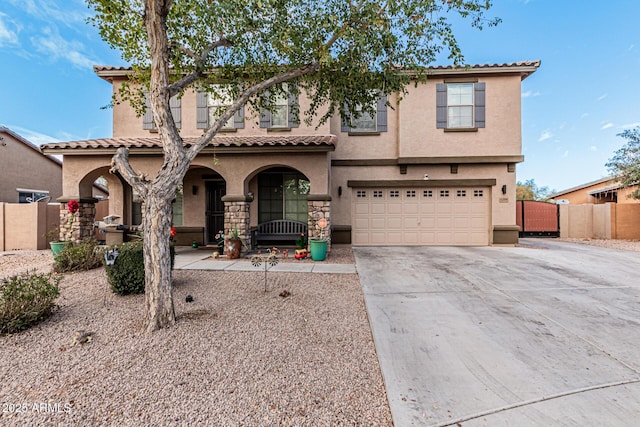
(237,355)
(625,245)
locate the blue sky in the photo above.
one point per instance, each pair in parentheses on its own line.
(583,95)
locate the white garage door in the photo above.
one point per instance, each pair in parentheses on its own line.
(419,216)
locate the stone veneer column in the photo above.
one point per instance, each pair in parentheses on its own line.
(82,227)
(236,213)
(319,208)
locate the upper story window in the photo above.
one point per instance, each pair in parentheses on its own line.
(210,106)
(284,111)
(217,104)
(176,111)
(280,112)
(460,105)
(366,122)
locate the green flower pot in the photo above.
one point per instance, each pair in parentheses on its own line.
(318,249)
(56,247)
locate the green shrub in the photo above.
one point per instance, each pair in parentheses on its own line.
(126,275)
(26,299)
(78,257)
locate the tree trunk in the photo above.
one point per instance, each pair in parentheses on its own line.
(156,225)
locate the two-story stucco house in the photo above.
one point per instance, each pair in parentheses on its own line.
(436,169)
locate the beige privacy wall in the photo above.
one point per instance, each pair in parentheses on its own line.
(604,221)
(25,226)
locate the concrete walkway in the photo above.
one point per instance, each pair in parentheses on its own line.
(194,259)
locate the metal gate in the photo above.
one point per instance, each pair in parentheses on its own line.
(537,218)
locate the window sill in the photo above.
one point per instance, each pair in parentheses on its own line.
(228,130)
(278,129)
(461,129)
(364,133)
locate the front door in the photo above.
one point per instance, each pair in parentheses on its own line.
(215,209)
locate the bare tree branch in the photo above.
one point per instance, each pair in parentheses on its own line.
(120,163)
(200,61)
(206,137)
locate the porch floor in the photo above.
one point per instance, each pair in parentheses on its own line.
(194,259)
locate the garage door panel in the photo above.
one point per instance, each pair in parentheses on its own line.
(361,208)
(411,222)
(427,207)
(411,238)
(444,222)
(478,222)
(444,208)
(361,237)
(478,208)
(361,224)
(378,208)
(461,222)
(377,238)
(394,208)
(428,222)
(435,216)
(378,223)
(411,208)
(395,238)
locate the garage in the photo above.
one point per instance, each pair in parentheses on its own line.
(421,216)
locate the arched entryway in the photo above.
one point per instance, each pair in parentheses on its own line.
(201,205)
(282,194)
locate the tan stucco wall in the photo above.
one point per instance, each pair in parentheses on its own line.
(602,221)
(24,225)
(628,221)
(126,124)
(23,167)
(419,136)
(383,145)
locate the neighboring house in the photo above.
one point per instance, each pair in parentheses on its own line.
(605,190)
(437,169)
(27,174)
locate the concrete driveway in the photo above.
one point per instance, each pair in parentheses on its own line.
(543,334)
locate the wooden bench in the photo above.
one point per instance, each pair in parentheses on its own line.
(280,230)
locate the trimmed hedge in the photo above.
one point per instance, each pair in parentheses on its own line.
(126,275)
(26,299)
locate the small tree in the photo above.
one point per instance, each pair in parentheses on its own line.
(342,53)
(625,163)
(529,190)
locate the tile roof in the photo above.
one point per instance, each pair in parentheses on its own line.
(218,141)
(528,63)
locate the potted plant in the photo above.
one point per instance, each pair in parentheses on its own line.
(318,245)
(233,244)
(58,245)
(53,237)
(220,241)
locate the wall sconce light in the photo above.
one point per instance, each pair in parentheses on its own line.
(504,189)
(194,189)
(339,190)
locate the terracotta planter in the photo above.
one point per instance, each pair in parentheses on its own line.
(233,247)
